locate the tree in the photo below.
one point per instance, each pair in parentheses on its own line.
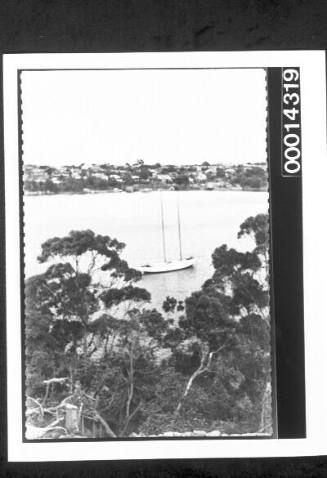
(172,307)
(70,184)
(182,180)
(50,171)
(50,186)
(145,173)
(254,177)
(227,322)
(122,380)
(43,352)
(169,168)
(257,228)
(73,303)
(92,342)
(244,277)
(220,172)
(253,182)
(204,331)
(112,182)
(128,180)
(33,186)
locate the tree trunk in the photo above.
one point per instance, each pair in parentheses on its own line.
(46,393)
(105,425)
(266,419)
(203,367)
(187,389)
(85,346)
(206,359)
(130,418)
(131,383)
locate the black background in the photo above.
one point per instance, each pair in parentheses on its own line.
(286,274)
(161,25)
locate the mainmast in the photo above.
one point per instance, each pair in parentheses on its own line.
(179,229)
(163,229)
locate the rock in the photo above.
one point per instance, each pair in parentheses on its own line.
(199,433)
(214,433)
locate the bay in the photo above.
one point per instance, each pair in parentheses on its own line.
(208,220)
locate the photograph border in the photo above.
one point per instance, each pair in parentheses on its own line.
(274,405)
(314,137)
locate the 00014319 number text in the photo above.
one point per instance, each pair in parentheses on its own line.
(291,122)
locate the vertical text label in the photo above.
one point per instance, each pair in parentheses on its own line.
(291,123)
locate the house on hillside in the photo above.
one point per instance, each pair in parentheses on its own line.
(38,175)
(28,173)
(230,171)
(100,175)
(211,169)
(96,168)
(164,178)
(56,179)
(154,173)
(76,173)
(201,177)
(116,177)
(64,171)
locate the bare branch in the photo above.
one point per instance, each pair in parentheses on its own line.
(131,416)
(56,380)
(31,411)
(105,424)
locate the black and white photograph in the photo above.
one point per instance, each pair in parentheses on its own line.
(161,227)
(146,253)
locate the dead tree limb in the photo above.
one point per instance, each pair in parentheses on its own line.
(105,425)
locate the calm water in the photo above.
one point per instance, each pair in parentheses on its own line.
(208,220)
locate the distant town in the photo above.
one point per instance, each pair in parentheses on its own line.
(143,177)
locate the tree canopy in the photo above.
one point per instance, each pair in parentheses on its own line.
(94,342)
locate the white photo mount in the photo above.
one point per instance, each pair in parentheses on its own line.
(311,65)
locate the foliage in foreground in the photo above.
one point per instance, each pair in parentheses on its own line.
(93,342)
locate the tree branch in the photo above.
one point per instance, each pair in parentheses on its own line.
(29,412)
(131,382)
(130,417)
(105,424)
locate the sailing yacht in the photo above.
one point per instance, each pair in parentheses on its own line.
(165,265)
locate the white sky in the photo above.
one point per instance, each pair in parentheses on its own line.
(165,116)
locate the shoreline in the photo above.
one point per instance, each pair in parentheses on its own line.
(96,191)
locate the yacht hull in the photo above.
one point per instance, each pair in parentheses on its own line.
(161,267)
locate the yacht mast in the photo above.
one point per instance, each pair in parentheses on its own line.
(163,229)
(179,229)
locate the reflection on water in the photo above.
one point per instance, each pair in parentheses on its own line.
(208,220)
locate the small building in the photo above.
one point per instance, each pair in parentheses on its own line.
(153,172)
(221,184)
(209,186)
(64,171)
(38,175)
(230,171)
(99,175)
(164,178)
(76,174)
(201,177)
(116,177)
(96,168)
